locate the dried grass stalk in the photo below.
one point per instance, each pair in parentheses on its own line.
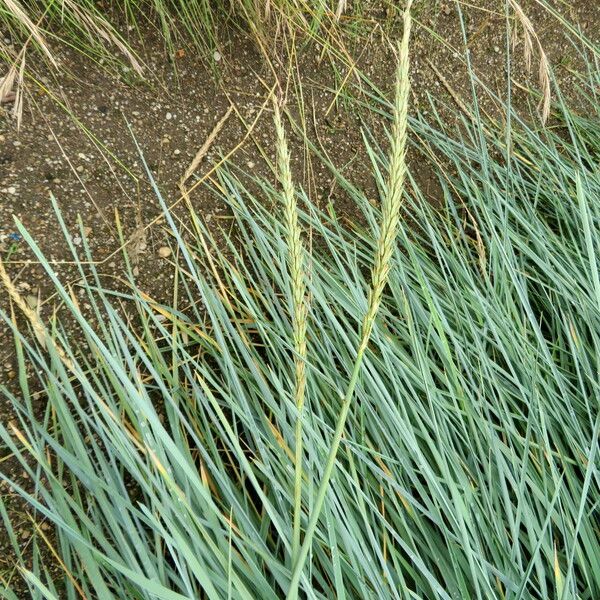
(340,10)
(12,86)
(204,148)
(529,37)
(6,86)
(39,329)
(20,14)
(95,26)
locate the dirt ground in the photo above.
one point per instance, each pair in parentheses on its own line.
(76,142)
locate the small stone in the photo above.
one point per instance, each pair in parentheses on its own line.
(25,534)
(164,251)
(79,169)
(177,151)
(11,190)
(217,56)
(12,374)
(251,164)
(168,116)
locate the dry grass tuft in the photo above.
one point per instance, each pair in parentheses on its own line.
(97,27)
(93,27)
(15,8)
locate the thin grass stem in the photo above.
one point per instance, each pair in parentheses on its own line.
(392,203)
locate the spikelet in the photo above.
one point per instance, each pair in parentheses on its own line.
(392,201)
(297,273)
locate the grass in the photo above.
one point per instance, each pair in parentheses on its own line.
(226,445)
(107,32)
(115,36)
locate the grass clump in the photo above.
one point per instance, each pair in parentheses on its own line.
(166,460)
(107,31)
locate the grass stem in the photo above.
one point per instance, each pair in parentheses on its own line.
(392,203)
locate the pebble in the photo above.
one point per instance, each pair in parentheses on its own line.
(251,164)
(217,56)
(168,116)
(164,251)
(11,190)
